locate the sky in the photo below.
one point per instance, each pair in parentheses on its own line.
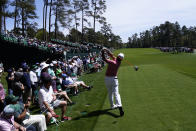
(134,16)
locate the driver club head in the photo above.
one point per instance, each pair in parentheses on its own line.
(136,68)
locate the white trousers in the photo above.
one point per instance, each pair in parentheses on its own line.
(38,120)
(113,92)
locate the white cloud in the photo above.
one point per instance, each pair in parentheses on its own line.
(134,16)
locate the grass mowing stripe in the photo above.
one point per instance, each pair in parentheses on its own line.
(154,99)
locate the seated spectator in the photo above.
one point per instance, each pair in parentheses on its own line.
(18,87)
(2,98)
(69,84)
(48,100)
(7,122)
(62,94)
(22,115)
(69,81)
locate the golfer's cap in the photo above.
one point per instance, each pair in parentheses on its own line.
(121,55)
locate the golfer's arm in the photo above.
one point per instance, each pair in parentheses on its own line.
(103,56)
(110,54)
(47,106)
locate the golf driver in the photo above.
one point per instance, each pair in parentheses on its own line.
(136,68)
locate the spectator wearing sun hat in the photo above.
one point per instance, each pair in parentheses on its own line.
(22,114)
(7,122)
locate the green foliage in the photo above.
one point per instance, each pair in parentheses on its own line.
(165,35)
(98,8)
(32,30)
(60,35)
(109,40)
(39,34)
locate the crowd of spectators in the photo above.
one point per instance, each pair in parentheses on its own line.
(54,46)
(48,84)
(176,49)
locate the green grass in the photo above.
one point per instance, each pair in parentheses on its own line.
(158,97)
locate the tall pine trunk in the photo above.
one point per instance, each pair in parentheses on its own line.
(15,16)
(94,17)
(1,23)
(56,23)
(76,31)
(43,22)
(4,22)
(23,33)
(46,12)
(50,19)
(82,25)
(94,22)
(1,11)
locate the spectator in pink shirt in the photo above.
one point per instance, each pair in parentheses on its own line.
(111,79)
(7,122)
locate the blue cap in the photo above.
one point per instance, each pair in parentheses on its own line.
(9,70)
(64,75)
(9,110)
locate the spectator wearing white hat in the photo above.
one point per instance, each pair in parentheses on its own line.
(111,79)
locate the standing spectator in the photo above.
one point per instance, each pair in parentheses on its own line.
(34,81)
(10,80)
(27,83)
(18,87)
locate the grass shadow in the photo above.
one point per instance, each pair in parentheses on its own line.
(97,113)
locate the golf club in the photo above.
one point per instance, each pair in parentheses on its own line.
(135,67)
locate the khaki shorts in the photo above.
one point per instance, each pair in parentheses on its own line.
(52,105)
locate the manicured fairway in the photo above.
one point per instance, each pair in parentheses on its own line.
(161,96)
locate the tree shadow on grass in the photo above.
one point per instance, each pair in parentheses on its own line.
(97,113)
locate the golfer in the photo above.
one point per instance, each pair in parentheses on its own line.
(111,79)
